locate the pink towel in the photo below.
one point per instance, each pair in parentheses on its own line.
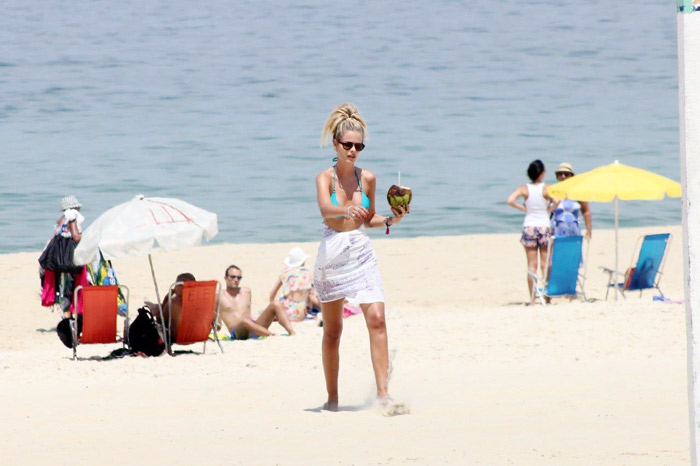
(80,280)
(48,291)
(350,310)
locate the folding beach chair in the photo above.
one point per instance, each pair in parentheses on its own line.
(563,276)
(100,310)
(199,315)
(647,271)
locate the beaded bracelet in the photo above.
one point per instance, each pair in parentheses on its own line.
(386,223)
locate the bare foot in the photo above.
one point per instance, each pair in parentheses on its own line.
(389,407)
(331,406)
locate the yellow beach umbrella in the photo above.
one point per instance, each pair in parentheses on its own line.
(614,182)
(617,180)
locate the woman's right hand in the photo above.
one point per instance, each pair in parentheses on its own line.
(358,212)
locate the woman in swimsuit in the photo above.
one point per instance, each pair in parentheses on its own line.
(296,282)
(346,265)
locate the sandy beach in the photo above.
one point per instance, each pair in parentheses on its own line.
(489,379)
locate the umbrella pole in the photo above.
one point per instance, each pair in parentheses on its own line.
(616,264)
(153,274)
(160,306)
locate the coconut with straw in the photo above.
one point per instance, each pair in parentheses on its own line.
(399,195)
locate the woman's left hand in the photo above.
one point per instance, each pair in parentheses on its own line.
(399,212)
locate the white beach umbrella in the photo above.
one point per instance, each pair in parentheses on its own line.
(135,227)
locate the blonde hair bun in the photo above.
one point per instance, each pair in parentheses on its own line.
(345,117)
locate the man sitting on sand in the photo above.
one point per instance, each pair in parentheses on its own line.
(172,308)
(234,310)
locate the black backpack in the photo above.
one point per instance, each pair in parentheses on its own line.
(143,335)
(65,330)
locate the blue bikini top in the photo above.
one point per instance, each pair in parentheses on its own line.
(365,200)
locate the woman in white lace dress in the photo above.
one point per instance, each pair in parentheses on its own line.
(346,265)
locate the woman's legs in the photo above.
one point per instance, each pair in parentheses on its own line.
(378,344)
(274,311)
(544,267)
(531,254)
(332,329)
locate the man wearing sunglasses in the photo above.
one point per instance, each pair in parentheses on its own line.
(565,216)
(234,310)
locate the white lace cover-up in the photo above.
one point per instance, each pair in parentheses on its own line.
(346,267)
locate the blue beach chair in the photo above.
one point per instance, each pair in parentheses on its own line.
(563,270)
(647,271)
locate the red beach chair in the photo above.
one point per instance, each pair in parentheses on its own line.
(100,305)
(200,312)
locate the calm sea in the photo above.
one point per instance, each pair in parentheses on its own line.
(221,103)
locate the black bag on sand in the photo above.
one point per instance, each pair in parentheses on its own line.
(64,331)
(143,335)
(58,255)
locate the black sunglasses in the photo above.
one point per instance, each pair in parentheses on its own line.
(348,145)
(231,277)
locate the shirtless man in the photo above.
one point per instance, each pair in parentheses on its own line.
(234,310)
(172,308)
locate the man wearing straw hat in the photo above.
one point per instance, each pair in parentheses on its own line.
(565,216)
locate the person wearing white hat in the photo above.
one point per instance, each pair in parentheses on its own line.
(70,222)
(296,284)
(58,281)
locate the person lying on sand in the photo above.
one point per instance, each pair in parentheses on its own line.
(234,310)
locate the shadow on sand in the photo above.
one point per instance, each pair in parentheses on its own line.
(351,408)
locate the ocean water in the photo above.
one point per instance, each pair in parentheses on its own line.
(222,104)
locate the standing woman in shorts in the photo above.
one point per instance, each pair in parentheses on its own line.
(346,265)
(537,228)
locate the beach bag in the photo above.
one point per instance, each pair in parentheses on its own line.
(64,329)
(58,255)
(628,277)
(143,334)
